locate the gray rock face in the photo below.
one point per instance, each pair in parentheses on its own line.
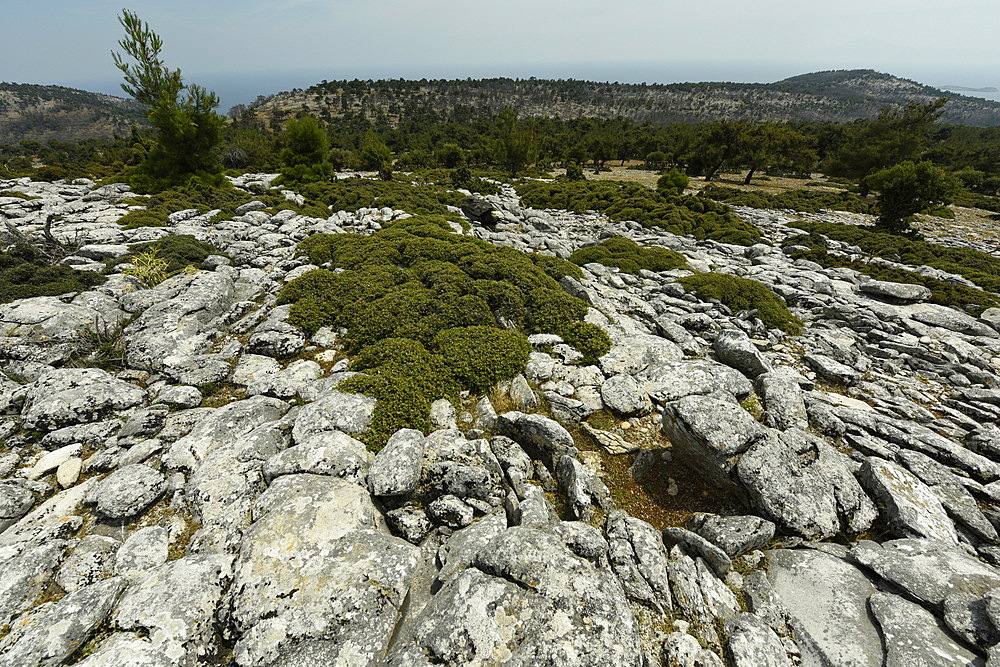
(828,601)
(396,468)
(968,616)
(623,395)
(541,437)
(684,650)
(89,562)
(15,501)
(143,550)
(928,571)
(182,320)
(710,434)
(805,485)
(698,545)
(175,603)
(274,337)
(567,611)
(913,637)
(735,535)
(334,411)
(784,405)
(330,453)
(753,644)
(50,318)
(79,397)
(673,380)
(305,569)
(582,488)
(638,558)
(631,354)
(735,349)
(52,637)
(912,509)
(895,291)
(26,576)
(949,318)
(832,370)
(127,491)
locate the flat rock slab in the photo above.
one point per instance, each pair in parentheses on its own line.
(911,507)
(827,598)
(672,380)
(914,638)
(335,411)
(928,571)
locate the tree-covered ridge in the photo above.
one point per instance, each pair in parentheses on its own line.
(836,96)
(41,113)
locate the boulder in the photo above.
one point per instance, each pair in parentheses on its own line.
(623,395)
(396,468)
(542,438)
(734,348)
(912,510)
(127,491)
(914,638)
(895,292)
(335,411)
(673,380)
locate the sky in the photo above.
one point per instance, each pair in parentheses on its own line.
(243,48)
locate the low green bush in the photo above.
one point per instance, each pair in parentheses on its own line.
(689,215)
(942,292)
(979,267)
(629,256)
(18,194)
(806,201)
(178,251)
(24,273)
(428,313)
(557,267)
(591,340)
(743,294)
(353,193)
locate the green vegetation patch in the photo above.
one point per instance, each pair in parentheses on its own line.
(690,215)
(741,294)
(224,199)
(353,193)
(429,313)
(178,251)
(18,194)
(629,256)
(24,273)
(806,201)
(942,292)
(979,267)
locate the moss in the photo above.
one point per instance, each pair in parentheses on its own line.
(629,256)
(752,405)
(427,313)
(807,201)
(743,294)
(178,251)
(24,273)
(680,214)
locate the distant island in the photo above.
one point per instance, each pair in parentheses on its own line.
(966,89)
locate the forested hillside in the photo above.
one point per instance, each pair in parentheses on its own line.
(835,96)
(41,113)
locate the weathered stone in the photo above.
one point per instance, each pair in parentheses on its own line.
(784,405)
(142,550)
(623,395)
(735,349)
(396,468)
(735,535)
(913,637)
(541,437)
(335,411)
(683,650)
(673,380)
(911,508)
(895,291)
(828,602)
(695,544)
(753,644)
(89,561)
(127,491)
(832,370)
(968,616)
(329,453)
(637,556)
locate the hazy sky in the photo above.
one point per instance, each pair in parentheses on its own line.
(297,42)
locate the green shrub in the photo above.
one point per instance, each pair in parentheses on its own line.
(743,294)
(16,193)
(943,292)
(589,339)
(177,251)
(979,267)
(557,267)
(685,215)
(806,201)
(354,193)
(629,256)
(482,356)
(674,182)
(24,273)
(426,312)
(574,172)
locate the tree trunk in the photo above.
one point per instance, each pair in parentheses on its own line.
(746,181)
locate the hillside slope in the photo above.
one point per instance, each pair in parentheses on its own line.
(835,96)
(39,113)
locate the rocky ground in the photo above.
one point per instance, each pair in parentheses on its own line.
(206,501)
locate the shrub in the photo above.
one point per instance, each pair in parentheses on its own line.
(482,356)
(426,312)
(24,273)
(806,201)
(574,172)
(557,267)
(591,340)
(673,182)
(979,267)
(619,200)
(148,268)
(629,256)
(743,294)
(353,193)
(177,251)
(908,188)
